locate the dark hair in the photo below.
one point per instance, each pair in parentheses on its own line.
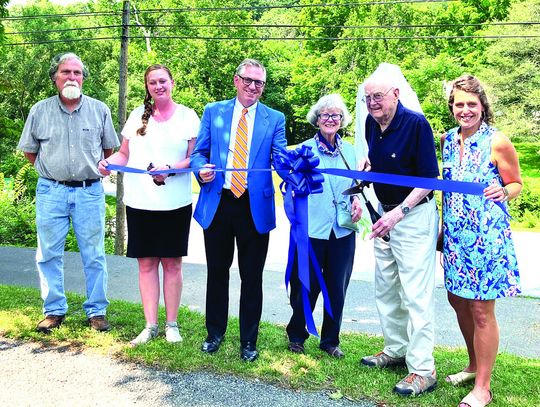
(59,59)
(148,106)
(470,84)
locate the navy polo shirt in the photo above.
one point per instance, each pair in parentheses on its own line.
(406,147)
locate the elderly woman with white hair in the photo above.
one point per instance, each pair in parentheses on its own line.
(334,245)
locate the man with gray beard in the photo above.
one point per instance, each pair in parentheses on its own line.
(64,137)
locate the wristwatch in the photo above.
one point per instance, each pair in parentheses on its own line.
(404,209)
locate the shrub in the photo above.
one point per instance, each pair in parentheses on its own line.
(18,214)
(527,202)
(17,219)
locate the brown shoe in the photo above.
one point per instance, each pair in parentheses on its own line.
(99,323)
(50,322)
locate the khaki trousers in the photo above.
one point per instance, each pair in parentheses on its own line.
(404,288)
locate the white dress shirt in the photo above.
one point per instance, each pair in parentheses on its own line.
(250,118)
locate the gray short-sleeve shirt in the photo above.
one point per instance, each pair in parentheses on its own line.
(68,144)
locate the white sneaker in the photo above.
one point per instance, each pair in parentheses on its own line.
(147,334)
(172,334)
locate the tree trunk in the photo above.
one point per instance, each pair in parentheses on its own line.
(120,238)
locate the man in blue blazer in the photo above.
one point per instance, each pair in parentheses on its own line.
(237,205)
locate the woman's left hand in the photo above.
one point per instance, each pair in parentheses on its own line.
(356,209)
(496,193)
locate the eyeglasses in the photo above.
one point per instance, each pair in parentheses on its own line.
(326,116)
(377,97)
(248,81)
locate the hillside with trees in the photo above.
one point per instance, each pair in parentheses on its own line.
(310,49)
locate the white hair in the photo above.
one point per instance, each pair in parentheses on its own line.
(333,100)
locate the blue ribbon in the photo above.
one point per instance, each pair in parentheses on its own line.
(303,179)
(462,187)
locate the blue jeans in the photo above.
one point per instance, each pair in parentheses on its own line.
(56,206)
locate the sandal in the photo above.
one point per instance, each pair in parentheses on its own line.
(470,400)
(460,378)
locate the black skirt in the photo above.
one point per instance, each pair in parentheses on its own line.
(158,233)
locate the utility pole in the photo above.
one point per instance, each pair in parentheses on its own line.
(120,238)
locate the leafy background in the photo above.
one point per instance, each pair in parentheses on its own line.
(309,49)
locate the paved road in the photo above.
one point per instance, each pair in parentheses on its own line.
(60,376)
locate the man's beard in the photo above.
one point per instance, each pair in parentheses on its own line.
(71,90)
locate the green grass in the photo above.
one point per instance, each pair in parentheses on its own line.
(516,380)
(529,159)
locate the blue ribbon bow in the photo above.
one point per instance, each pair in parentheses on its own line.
(303,179)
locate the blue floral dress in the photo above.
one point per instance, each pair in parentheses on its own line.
(479,257)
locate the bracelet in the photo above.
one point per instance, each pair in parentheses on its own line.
(506,194)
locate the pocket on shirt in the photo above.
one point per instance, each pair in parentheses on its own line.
(90,139)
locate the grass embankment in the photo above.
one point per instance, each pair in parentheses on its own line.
(516,380)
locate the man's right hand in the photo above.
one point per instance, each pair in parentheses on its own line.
(102,168)
(207,175)
(364,164)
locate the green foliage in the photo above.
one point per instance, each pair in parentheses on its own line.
(10,130)
(3,13)
(512,71)
(11,162)
(17,226)
(527,205)
(24,183)
(17,213)
(529,159)
(299,72)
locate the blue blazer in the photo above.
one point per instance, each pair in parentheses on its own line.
(212,147)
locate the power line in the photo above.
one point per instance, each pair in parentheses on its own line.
(293,6)
(214,9)
(177,37)
(63,15)
(401,26)
(370,27)
(58,30)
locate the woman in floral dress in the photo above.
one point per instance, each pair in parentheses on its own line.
(479,258)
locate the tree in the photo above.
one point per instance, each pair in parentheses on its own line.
(512,73)
(3,13)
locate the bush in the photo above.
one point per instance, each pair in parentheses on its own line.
(18,214)
(10,164)
(527,201)
(17,219)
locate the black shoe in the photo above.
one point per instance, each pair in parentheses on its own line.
(212,344)
(296,347)
(248,352)
(334,351)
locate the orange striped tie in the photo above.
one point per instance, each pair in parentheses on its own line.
(238,179)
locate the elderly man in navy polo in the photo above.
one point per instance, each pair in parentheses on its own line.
(65,136)
(401,142)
